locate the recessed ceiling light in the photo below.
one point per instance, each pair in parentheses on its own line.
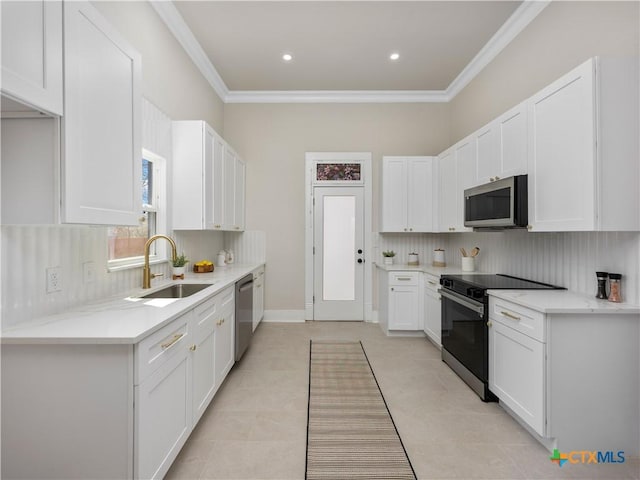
(287,57)
(394,56)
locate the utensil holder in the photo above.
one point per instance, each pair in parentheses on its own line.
(468,264)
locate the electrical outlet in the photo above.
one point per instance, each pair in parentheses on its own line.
(88,272)
(54,279)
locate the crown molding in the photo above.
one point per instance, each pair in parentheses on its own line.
(338,96)
(517,22)
(172,18)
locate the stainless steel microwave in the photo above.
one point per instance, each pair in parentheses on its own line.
(499,204)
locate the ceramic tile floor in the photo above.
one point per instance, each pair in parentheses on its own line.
(255,427)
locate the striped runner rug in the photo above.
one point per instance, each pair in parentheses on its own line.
(350,432)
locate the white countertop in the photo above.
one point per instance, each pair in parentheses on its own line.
(563,302)
(122,319)
(426,268)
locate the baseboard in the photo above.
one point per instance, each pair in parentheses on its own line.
(281,316)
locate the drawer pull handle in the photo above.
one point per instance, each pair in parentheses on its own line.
(403,278)
(175,338)
(510,315)
(432,283)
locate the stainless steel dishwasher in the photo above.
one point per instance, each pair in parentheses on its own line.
(244,314)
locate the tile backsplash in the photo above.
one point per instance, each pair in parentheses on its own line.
(568,259)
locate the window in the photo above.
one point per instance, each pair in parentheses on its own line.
(126,244)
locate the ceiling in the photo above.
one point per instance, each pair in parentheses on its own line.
(342,45)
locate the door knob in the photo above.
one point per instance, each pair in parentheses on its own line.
(359,250)
(360,260)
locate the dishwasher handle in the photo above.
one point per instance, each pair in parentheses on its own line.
(245,286)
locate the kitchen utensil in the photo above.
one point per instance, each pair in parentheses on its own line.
(463,252)
(475,251)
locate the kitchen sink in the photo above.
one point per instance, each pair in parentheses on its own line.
(179,290)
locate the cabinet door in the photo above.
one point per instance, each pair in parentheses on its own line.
(203,348)
(487,159)
(448,195)
(225,337)
(516,373)
(464,178)
(562,154)
(218,182)
(420,200)
(404,308)
(240,171)
(208,177)
(229,174)
(102,122)
(258,297)
(394,195)
(32,53)
(163,417)
(432,315)
(512,142)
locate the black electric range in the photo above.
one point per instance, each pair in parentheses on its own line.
(465,335)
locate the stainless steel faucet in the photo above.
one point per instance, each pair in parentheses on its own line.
(146,271)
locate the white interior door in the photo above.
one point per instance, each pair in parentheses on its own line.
(338,253)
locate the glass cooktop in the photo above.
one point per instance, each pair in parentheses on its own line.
(500,281)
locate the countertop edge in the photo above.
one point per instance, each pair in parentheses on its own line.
(545,301)
(13,336)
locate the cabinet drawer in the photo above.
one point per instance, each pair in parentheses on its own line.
(404,278)
(432,282)
(155,350)
(522,319)
(227,303)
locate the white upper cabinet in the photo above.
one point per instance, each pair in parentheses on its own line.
(208,180)
(501,147)
(456,167)
(102,152)
(233,191)
(194,195)
(583,149)
(32,53)
(409,194)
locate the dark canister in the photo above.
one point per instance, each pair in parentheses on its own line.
(602,284)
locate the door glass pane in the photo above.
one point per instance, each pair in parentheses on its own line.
(339,241)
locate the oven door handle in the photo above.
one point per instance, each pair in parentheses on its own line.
(465,302)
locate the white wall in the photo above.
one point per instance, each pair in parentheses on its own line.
(169,78)
(561,37)
(273,140)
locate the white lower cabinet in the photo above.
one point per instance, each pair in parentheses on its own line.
(571,378)
(400,301)
(517,373)
(258,296)
(432,309)
(122,411)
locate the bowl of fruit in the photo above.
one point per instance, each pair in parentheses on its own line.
(203,266)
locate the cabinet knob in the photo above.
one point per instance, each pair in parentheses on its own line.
(497,178)
(193,348)
(392,289)
(491,179)
(219,322)
(411,229)
(529,227)
(489,324)
(405,229)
